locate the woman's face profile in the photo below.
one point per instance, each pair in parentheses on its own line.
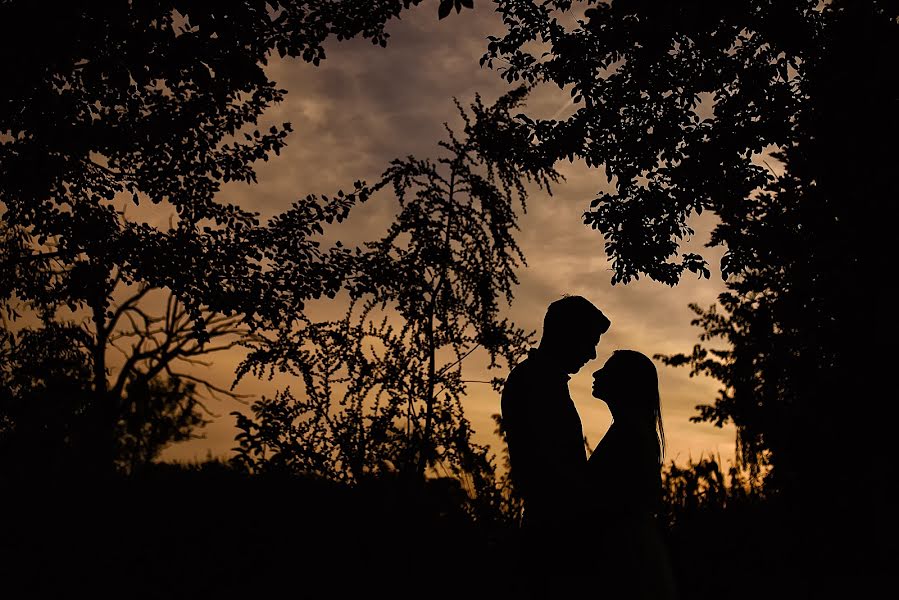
(604,380)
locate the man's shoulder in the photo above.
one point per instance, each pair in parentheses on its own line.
(526,384)
(524,373)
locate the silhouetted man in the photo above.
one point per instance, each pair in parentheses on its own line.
(546,442)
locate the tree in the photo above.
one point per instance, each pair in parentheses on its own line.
(156,103)
(51,383)
(783,322)
(675,101)
(66,297)
(158,412)
(62,361)
(383,385)
(46,408)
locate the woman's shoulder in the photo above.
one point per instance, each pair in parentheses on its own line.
(619,439)
(629,453)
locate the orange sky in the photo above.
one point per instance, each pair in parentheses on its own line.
(366,105)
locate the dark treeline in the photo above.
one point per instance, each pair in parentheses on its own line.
(213,529)
(369,476)
(208,530)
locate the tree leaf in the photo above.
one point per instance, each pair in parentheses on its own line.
(444,9)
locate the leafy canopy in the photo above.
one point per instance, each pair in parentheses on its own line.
(674,99)
(156,103)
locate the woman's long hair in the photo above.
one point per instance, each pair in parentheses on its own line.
(640,375)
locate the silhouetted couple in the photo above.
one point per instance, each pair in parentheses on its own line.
(589,525)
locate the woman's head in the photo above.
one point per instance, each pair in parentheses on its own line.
(629,384)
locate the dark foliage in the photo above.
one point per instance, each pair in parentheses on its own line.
(48,407)
(728,537)
(156,103)
(233,534)
(675,101)
(208,530)
(44,399)
(153,103)
(59,368)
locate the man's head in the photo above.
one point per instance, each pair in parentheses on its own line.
(571,330)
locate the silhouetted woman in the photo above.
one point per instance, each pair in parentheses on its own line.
(624,473)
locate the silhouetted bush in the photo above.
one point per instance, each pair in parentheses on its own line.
(728,537)
(207,529)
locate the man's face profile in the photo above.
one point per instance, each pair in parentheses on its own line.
(580,350)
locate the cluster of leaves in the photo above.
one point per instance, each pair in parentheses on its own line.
(383,385)
(506,498)
(671,100)
(43,400)
(355,418)
(157,412)
(446,6)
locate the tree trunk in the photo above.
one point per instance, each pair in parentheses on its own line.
(103,412)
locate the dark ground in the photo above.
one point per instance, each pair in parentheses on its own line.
(211,532)
(216,533)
